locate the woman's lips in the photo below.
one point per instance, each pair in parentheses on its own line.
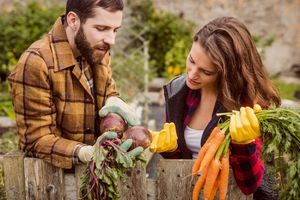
(193,82)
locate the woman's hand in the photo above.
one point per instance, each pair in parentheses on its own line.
(244,125)
(164,140)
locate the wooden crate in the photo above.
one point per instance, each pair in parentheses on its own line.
(31,178)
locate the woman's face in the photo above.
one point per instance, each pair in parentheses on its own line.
(201,72)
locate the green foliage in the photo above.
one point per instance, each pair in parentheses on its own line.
(286,90)
(6,107)
(21,27)
(263,43)
(169,36)
(8,141)
(280,129)
(2,189)
(175,58)
(127,71)
(170,39)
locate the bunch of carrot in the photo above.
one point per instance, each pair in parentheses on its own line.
(212,164)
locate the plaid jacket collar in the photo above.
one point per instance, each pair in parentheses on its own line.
(60,47)
(62,53)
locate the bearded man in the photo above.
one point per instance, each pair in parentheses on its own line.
(62,80)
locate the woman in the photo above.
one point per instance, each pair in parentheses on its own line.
(224,73)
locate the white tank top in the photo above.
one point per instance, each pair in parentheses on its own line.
(193,140)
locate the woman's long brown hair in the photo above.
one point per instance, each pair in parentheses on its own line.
(242,77)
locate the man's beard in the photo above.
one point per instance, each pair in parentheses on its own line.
(93,55)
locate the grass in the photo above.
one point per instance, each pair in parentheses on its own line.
(286,90)
(8,141)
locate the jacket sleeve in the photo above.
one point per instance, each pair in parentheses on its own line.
(248,168)
(36,113)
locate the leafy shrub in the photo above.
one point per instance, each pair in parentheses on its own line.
(21,27)
(6,107)
(170,39)
(169,36)
(128,72)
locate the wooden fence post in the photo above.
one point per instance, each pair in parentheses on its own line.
(135,186)
(13,168)
(151,189)
(173,181)
(79,169)
(43,180)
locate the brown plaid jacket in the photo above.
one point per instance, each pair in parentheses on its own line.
(55,109)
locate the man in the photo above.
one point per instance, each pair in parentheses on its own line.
(62,80)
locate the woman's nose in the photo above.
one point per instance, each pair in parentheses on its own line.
(192,72)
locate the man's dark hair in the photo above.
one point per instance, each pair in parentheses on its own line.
(85,8)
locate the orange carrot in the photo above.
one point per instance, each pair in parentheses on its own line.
(203,150)
(210,153)
(215,188)
(224,175)
(212,174)
(199,184)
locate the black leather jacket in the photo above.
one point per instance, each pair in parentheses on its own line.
(176,92)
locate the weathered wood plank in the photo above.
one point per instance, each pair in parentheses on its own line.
(79,169)
(174,181)
(135,185)
(13,168)
(151,189)
(43,180)
(70,186)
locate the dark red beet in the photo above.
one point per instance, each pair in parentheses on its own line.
(140,136)
(113,122)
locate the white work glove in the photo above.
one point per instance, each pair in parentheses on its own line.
(85,153)
(117,105)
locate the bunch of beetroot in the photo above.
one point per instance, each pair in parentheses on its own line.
(113,122)
(111,159)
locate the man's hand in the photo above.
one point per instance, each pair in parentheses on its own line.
(244,126)
(164,140)
(86,153)
(116,105)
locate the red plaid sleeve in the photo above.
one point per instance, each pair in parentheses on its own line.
(248,168)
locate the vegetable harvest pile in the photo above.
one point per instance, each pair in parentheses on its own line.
(280,132)
(108,166)
(112,158)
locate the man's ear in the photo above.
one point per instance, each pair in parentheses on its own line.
(73,21)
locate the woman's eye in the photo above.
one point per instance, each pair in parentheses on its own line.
(208,73)
(191,60)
